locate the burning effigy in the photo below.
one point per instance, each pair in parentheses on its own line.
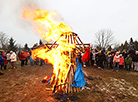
(62,53)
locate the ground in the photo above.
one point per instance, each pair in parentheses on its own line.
(23,84)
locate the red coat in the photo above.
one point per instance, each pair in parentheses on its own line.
(22,56)
(86,56)
(121,61)
(5,59)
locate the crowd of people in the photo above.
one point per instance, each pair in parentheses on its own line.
(115,59)
(10,57)
(23,56)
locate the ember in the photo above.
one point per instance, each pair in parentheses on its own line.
(62,54)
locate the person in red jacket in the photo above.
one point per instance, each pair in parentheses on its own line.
(5,60)
(22,58)
(121,61)
(27,57)
(86,57)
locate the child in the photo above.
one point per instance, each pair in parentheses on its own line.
(128,61)
(121,63)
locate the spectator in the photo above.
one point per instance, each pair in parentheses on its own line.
(31,61)
(109,60)
(96,57)
(27,57)
(135,59)
(121,63)
(13,59)
(91,58)
(112,57)
(8,57)
(132,49)
(106,59)
(101,58)
(116,61)
(5,60)
(128,61)
(22,58)
(1,61)
(86,57)
(124,53)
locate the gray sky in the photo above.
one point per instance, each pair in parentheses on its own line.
(86,17)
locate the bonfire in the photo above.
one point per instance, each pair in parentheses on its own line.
(62,54)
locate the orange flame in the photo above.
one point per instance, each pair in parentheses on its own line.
(50,29)
(45,24)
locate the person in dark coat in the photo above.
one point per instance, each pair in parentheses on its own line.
(132,49)
(135,59)
(96,57)
(111,63)
(1,61)
(101,58)
(91,57)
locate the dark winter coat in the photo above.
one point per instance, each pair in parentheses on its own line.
(1,60)
(132,47)
(124,55)
(135,58)
(91,55)
(112,57)
(101,57)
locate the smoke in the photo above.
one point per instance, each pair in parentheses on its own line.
(14,8)
(18,12)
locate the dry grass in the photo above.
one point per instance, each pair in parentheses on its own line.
(24,85)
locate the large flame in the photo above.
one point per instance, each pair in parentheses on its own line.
(50,29)
(45,24)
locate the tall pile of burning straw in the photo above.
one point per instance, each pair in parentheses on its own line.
(62,54)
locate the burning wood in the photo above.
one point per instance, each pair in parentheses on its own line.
(62,53)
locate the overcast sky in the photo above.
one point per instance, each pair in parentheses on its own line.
(86,17)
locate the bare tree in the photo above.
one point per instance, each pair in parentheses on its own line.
(3,41)
(104,39)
